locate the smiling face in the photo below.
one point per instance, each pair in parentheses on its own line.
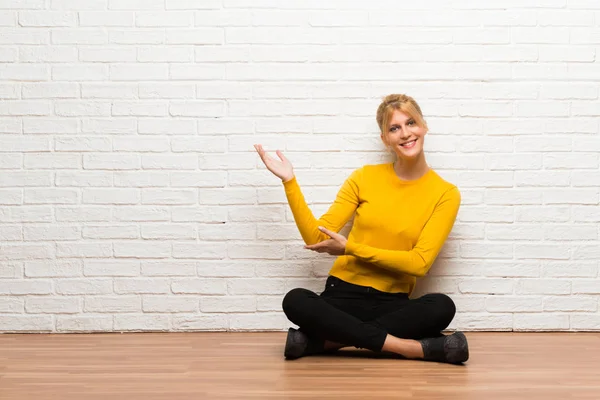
(404,135)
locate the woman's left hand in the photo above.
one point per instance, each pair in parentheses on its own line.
(336,246)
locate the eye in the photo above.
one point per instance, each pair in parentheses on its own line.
(411,122)
(393,128)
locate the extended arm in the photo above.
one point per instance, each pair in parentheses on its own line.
(336,216)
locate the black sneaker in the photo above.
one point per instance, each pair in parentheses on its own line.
(298,344)
(452,349)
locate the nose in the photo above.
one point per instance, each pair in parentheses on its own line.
(404,133)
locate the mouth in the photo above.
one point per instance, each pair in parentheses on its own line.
(408,145)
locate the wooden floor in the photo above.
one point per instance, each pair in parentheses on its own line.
(250,365)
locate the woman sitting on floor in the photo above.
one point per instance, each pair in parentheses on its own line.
(404,214)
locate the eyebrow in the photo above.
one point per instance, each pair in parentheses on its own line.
(408,120)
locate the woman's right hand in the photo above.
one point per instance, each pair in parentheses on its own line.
(282,169)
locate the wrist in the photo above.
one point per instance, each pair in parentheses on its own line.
(347,248)
(288,178)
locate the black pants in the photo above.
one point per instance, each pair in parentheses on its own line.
(361,316)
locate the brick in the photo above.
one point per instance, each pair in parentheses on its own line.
(513,304)
(226,232)
(26,251)
(53,305)
(47,18)
(139,72)
(142,249)
(199,286)
(168,268)
(162,126)
(11,233)
(194,322)
(541,322)
(245,286)
(71,108)
(110,196)
(111,268)
(109,126)
(141,286)
(106,18)
(570,304)
(112,161)
(87,323)
(135,4)
(138,108)
(168,196)
(55,53)
(51,233)
(200,250)
(108,91)
(83,286)
(26,323)
(257,322)
(140,144)
(82,214)
(164,19)
(202,145)
(177,162)
(141,179)
(171,90)
(28,214)
(12,305)
(105,54)
(169,304)
(52,161)
(170,231)
(82,144)
(198,180)
(112,304)
(25,287)
(484,322)
(84,249)
(141,213)
(141,36)
(11,196)
(225,268)
(53,269)
(83,179)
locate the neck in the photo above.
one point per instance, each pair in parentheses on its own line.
(411,169)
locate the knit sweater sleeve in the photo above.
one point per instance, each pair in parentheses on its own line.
(338,214)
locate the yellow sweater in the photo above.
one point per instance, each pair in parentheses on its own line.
(399,227)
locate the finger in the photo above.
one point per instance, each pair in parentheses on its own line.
(264,155)
(316,246)
(260,151)
(280,155)
(327,231)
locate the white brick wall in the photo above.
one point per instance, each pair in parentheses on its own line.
(131,198)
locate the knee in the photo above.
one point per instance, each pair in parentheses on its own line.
(293,300)
(445,307)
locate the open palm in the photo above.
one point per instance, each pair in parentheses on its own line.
(281,168)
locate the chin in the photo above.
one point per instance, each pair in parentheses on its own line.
(410,155)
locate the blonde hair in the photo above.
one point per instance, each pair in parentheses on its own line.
(400,102)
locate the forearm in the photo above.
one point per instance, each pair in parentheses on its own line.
(412,262)
(306,222)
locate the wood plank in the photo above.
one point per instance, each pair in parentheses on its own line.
(225,365)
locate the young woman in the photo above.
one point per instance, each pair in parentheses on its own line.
(404,213)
